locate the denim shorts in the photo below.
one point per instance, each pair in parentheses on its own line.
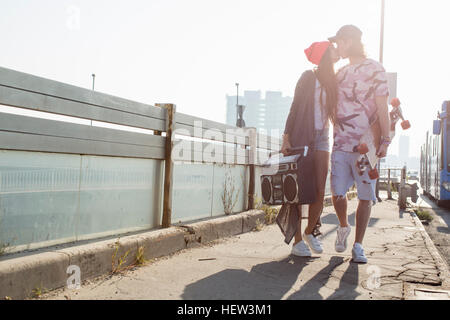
(322,140)
(344,173)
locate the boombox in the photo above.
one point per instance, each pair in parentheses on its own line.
(279,178)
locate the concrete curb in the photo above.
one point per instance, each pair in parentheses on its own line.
(21,277)
(444,272)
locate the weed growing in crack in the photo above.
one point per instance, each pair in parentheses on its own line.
(270,212)
(140,259)
(423,214)
(230,194)
(259,225)
(120,261)
(38,292)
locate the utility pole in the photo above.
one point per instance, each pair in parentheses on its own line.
(377,185)
(382,31)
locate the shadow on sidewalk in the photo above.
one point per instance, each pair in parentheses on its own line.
(332,219)
(347,285)
(270,280)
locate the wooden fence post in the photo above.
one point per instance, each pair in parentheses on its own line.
(252,160)
(168,163)
(389,192)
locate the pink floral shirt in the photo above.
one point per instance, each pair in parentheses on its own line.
(358,85)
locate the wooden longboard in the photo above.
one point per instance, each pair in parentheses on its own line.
(370,141)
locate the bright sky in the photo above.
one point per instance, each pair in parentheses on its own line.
(192,53)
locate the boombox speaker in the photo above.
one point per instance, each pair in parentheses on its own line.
(279,179)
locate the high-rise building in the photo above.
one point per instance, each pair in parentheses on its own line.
(403,149)
(267,115)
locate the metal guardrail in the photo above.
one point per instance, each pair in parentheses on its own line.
(26,91)
(405,190)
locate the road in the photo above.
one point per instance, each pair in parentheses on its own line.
(438,229)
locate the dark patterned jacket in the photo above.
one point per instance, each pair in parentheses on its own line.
(300,127)
(300,121)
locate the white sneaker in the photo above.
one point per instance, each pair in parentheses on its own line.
(313,243)
(341,240)
(358,253)
(301,249)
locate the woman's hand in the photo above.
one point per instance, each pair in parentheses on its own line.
(286,145)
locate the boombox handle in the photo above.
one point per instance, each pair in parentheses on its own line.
(292,151)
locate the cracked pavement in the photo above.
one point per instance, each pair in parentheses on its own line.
(438,228)
(258,265)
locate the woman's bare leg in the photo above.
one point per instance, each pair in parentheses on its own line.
(298,234)
(322,159)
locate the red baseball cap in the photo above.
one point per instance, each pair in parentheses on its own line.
(315,51)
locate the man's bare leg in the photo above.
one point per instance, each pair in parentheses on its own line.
(340,205)
(362,219)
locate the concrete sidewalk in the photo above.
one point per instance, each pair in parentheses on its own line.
(403,264)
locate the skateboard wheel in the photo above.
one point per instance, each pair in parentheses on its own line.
(395,102)
(405,124)
(362,148)
(373,174)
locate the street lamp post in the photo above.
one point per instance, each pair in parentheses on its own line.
(237,101)
(93,81)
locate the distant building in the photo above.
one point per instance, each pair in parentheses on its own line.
(403,158)
(267,115)
(403,149)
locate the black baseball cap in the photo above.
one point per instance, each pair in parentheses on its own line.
(348,31)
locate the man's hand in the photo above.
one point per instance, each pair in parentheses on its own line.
(382,151)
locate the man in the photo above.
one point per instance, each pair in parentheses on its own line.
(362,95)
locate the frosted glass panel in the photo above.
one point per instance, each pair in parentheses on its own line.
(198,189)
(192,191)
(38,196)
(118,193)
(49,198)
(258,172)
(233,180)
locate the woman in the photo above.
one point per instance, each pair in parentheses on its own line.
(314,105)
